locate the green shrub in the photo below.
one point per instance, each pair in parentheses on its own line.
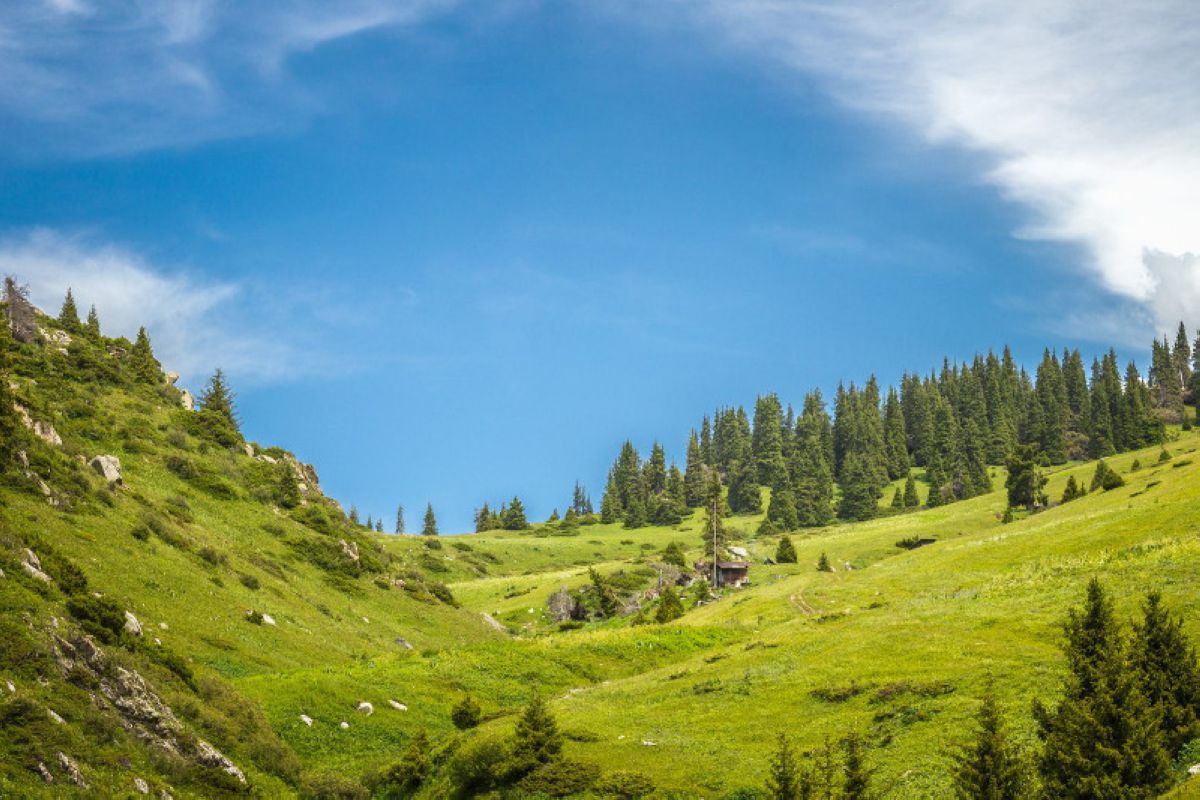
(70,578)
(623,785)
(432,543)
(99,616)
(560,778)
(213,556)
(479,765)
(331,786)
(249,581)
(182,467)
(466,713)
(255,618)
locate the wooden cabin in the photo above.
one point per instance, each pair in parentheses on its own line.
(733,573)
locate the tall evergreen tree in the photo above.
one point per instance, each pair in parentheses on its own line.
(745,495)
(781,511)
(1166,665)
(713,533)
(860,494)
(68,317)
(219,399)
(141,359)
(911,498)
(1051,392)
(656,470)
(855,785)
(990,767)
(537,737)
(693,477)
(514,517)
(611,507)
(767,441)
(430,528)
(92,328)
(895,437)
(1181,355)
(783,772)
(785,551)
(1103,739)
(400,519)
(1025,481)
(484,519)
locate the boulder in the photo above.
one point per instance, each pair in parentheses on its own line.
(72,769)
(45,773)
(141,786)
(306,719)
(267,619)
(187,400)
(249,448)
(31,564)
(132,625)
(172,377)
(344,725)
(349,550)
(210,756)
(397,706)
(109,467)
(43,430)
(54,715)
(1194,769)
(366,708)
(405,643)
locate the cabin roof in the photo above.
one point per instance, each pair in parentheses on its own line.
(733,564)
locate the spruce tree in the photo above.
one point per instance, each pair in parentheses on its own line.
(745,495)
(990,767)
(860,494)
(1168,675)
(785,551)
(669,606)
(655,476)
(781,511)
(713,532)
(1025,480)
(142,361)
(693,477)
(783,773)
(1103,739)
(68,317)
(1181,356)
(767,440)
(400,519)
(608,603)
(430,527)
(219,399)
(353,515)
(370,523)
(1073,490)
(514,518)
(466,713)
(379,525)
(911,498)
(92,328)
(407,775)
(537,738)
(855,785)
(895,437)
(611,508)
(823,564)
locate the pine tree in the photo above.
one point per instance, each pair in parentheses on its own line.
(1073,490)
(713,532)
(406,775)
(767,439)
(1182,356)
(370,523)
(537,738)
(859,491)
(514,518)
(745,496)
(1025,481)
(611,507)
(607,601)
(857,776)
(1103,739)
(92,328)
(635,513)
(353,515)
(693,477)
(783,774)
(895,437)
(669,606)
(466,713)
(430,527)
(1168,674)
(142,361)
(911,498)
(656,470)
(379,525)
(218,398)
(990,767)
(823,564)
(68,317)
(781,511)
(785,551)
(400,519)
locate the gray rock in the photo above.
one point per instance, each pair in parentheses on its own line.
(43,430)
(210,756)
(172,377)
(72,769)
(31,564)
(141,786)
(187,400)
(109,467)
(132,625)
(349,550)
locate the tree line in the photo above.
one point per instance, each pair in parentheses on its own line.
(948,426)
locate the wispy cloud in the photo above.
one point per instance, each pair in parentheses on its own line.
(195,323)
(100,76)
(1087,113)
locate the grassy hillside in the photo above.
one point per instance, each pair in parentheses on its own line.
(201,539)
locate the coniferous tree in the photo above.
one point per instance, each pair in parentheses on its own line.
(430,528)
(68,317)
(767,440)
(1073,490)
(514,516)
(1103,739)
(785,552)
(857,776)
(895,437)
(407,775)
(353,515)
(466,713)
(745,496)
(693,476)
(860,495)
(400,519)
(1025,481)
(141,359)
(823,564)
(669,606)
(781,511)
(656,470)
(379,525)
(783,773)
(676,488)
(218,398)
(911,498)
(611,508)
(370,523)
(92,326)
(537,737)
(990,767)
(635,513)
(607,602)
(713,533)
(483,519)
(1181,355)
(1168,674)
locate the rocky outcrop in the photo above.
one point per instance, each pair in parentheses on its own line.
(109,467)
(72,769)
(306,475)
(33,565)
(349,550)
(59,340)
(187,400)
(143,713)
(132,625)
(43,430)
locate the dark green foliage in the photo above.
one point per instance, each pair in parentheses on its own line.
(623,785)
(562,777)
(694,474)
(99,616)
(856,777)
(466,713)
(430,527)
(537,739)
(673,554)
(669,606)
(608,604)
(713,533)
(990,767)
(512,518)
(745,496)
(911,498)
(404,777)
(1073,490)
(823,564)
(142,362)
(1106,478)
(218,411)
(1025,481)
(1103,739)
(783,773)
(785,552)
(399,519)
(1166,665)
(68,316)
(860,489)
(92,327)
(332,786)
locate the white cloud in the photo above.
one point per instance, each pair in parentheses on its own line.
(195,324)
(106,76)
(1088,112)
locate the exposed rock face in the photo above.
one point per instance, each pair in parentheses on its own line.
(59,340)
(560,605)
(141,786)
(72,769)
(306,475)
(31,564)
(187,400)
(349,550)
(249,448)
(172,377)
(143,712)
(43,430)
(493,623)
(109,467)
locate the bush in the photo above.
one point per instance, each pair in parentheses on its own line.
(70,578)
(255,618)
(213,556)
(182,467)
(479,765)
(623,785)
(331,786)
(99,616)
(432,543)
(560,778)
(466,713)
(249,581)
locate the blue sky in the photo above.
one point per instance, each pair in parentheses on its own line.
(453,252)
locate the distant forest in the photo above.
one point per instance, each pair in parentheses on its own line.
(952,424)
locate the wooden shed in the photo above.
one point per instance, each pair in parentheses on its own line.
(733,573)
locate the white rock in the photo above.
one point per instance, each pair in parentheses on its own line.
(366,621)
(366,708)
(158,641)
(397,706)
(43,430)
(11,689)
(33,566)
(187,400)
(267,458)
(54,715)
(165,795)
(141,786)
(306,719)
(648,743)
(268,619)
(349,549)
(132,625)
(740,552)
(109,467)
(249,449)
(1194,769)
(344,725)
(172,378)
(163,625)
(72,769)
